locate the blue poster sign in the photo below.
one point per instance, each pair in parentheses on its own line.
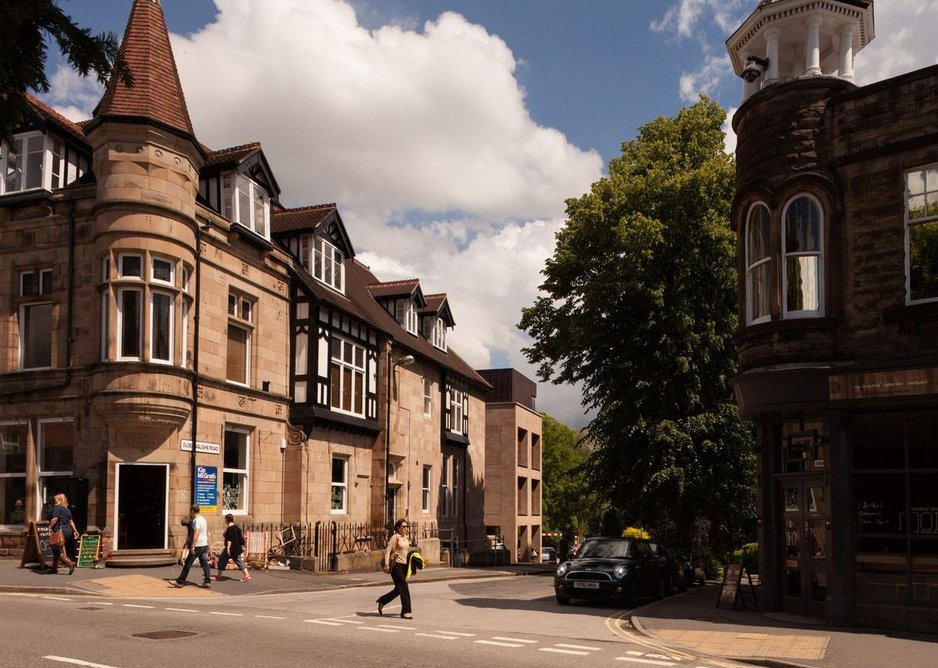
(206,488)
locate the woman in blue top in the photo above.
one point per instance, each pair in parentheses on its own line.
(61,518)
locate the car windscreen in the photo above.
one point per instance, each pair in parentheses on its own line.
(606,549)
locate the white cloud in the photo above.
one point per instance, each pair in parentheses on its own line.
(685,18)
(72,96)
(706,79)
(904,40)
(426,129)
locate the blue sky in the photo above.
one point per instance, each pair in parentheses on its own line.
(450,132)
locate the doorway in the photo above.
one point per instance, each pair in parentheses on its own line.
(806,526)
(142,506)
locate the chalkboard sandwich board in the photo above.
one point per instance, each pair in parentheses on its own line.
(729,590)
(38,551)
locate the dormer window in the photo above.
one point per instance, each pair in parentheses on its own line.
(406,314)
(247,204)
(34,161)
(438,334)
(324,261)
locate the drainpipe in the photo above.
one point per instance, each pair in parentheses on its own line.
(195,352)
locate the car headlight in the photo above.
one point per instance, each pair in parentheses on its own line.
(563,568)
(620,571)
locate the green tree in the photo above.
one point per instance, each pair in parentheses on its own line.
(639,305)
(569,504)
(24,46)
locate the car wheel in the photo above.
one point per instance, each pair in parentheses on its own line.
(631,594)
(562,600)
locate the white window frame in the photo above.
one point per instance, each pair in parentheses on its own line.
(44,474)
(819,253)
(327,264)
(427,397)
(456,400)
(763,264)
(155,296)
(355,369)
(438,335)
(121,352)
(170,265)
(444,486)
(340,486)
(14,475)
(233,186)
(929,198)
(426,482)
(454,470)
(243,473)
(40,289)
(241,316)
(405,312)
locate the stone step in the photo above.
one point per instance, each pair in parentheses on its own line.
(140,558)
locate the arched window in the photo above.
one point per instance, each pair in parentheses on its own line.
(758,264)
(804,251)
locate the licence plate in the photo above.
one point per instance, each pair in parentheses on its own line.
(586,585)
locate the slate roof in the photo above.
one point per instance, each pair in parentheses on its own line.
(157,93)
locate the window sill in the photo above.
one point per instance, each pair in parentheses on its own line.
(240,231)
(926,311)
(788,325)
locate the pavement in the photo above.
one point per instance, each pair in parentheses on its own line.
(689,622)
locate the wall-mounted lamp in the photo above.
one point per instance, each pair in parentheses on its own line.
(404,360)
(755,68)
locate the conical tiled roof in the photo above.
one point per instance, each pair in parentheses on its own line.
(156,93)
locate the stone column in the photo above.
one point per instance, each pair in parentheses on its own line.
(771,54)
(846,52)
(812,47)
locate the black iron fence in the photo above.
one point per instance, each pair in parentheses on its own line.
(322,541)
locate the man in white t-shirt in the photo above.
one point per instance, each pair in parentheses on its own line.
(198,548)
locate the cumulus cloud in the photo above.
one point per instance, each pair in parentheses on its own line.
(421,135)
(905,32)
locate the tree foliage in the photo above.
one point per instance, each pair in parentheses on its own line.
(24,47)
(569,504)
(639,305)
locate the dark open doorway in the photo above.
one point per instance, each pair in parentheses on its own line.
(141,503)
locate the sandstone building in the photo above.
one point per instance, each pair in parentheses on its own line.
(171,333)
(836,212)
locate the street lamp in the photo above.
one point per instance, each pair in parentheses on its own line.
(405,360)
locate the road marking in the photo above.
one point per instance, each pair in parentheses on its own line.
(132,605)
(457,633)
(179,609)
(76,662)
(397,628)
(592,649)
(228,614)
(521,640)
(378,629)
(268,617)
(436,635)
(497,643)
(563,651)
(322,621)
(650,662)
(56,598)
(613,624)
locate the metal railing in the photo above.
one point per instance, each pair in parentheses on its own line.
(322,541)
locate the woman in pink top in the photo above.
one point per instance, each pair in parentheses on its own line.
(395,563)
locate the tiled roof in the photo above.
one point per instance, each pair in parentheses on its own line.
(394,288)
(435,301)
(156,93)
(230,156)
(51,115)
(309,217)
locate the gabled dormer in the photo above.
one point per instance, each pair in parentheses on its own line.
(316,237)
(238,184)
(403,300)
(435,319)
(46,153)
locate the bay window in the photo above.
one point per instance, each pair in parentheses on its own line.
(758,264)
(34,161)
(802,262)
(246,203)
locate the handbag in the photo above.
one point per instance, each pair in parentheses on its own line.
(56,538)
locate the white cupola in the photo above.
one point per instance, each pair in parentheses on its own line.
(784,40)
